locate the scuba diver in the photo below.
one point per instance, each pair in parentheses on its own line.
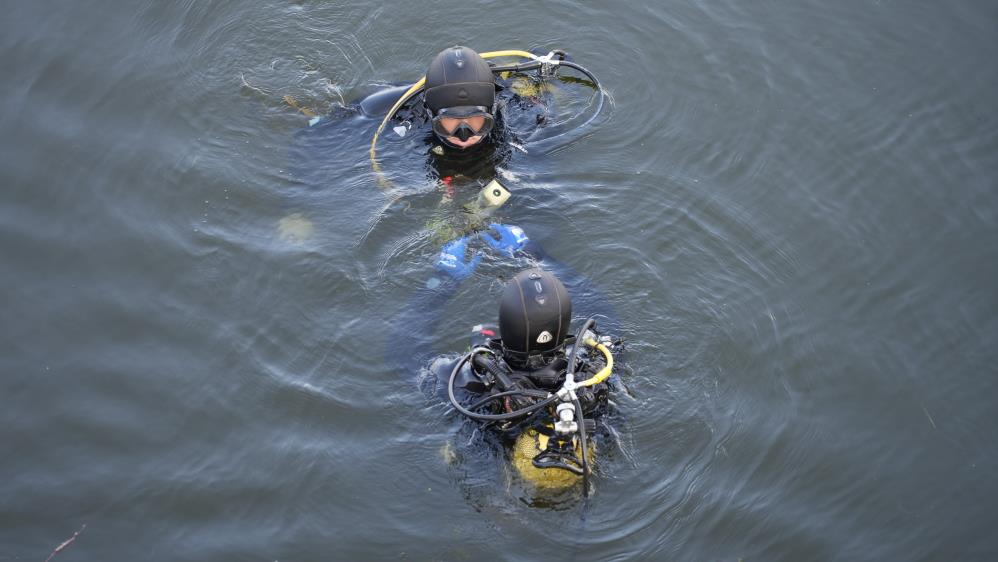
(468,121)
(460,98)
(459,126)
(465,100)
(539,387)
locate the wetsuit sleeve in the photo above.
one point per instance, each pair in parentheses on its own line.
(378,103)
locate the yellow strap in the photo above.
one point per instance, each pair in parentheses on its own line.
(294,103)
(408,93)
(508,53)
(605,371)
(382,181)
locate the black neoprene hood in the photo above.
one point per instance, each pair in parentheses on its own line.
(535,312)
(458,76)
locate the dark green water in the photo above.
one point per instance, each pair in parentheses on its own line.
(791,206)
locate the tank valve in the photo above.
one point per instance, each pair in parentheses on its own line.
(566,424)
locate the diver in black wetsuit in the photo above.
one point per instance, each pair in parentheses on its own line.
(469,139)
(540,387)
(473,130)
(466,116)
(460,98)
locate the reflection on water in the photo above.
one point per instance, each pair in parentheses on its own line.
(294,228)
(789,207)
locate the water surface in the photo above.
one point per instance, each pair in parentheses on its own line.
(790,206)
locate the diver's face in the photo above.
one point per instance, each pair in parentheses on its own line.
(465,144)
(476,122)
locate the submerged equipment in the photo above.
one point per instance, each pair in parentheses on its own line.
(439,95)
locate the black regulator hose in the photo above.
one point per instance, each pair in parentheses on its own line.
(578,343)
(532,65)
(583,444)
(581,69)
(489,417)
(522,392)
(522,67)
(601,99)
(502,379)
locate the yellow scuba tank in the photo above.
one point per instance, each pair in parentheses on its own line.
(528,445)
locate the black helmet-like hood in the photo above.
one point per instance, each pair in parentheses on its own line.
(458,76)
(535,313)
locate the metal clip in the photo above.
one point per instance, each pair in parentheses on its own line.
(549,65)
(567,391)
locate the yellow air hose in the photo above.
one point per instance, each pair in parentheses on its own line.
(415,88)
(605,371)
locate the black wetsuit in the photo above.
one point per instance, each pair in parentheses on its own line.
(517,117)
(545,373)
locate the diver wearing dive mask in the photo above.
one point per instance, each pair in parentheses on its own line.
(462,127)
(460,97)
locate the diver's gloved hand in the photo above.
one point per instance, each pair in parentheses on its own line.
(452,259)
(510,238)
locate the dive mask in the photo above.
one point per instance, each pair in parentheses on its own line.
(463,122)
